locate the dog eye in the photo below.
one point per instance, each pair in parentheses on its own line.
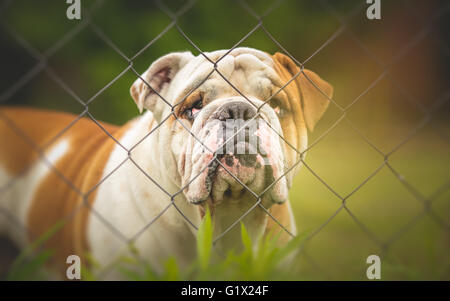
(278,108)
(193,110)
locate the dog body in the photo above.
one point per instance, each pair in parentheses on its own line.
(150,182)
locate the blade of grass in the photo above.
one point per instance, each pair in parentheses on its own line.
(204,240)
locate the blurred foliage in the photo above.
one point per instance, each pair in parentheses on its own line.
(262,260)
(30,263)
(86,63)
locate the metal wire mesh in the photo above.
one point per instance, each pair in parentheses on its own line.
(87,24)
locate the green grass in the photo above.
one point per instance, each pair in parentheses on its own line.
(30,263)
(262,260)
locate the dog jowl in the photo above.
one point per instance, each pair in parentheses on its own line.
(213,142)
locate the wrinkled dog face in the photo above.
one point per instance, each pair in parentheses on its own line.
(228,120)
(248,152)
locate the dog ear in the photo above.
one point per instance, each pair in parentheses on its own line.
(314,91)
(157,78)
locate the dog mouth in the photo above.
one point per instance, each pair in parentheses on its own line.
(230,176)
(230,166)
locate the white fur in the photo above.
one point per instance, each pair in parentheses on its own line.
(129,201)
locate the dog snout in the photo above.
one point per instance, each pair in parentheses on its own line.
(235,110)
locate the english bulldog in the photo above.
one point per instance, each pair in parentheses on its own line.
(226,139)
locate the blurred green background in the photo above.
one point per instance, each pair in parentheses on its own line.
(403,53)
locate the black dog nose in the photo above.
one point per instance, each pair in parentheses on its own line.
(236,110)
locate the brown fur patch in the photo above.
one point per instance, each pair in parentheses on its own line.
(291,125)
(308,102)
(82,165)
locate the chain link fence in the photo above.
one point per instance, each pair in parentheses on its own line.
(87,24)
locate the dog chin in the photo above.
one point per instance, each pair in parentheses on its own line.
(235,178)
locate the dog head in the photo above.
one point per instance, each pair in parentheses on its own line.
(237,132)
